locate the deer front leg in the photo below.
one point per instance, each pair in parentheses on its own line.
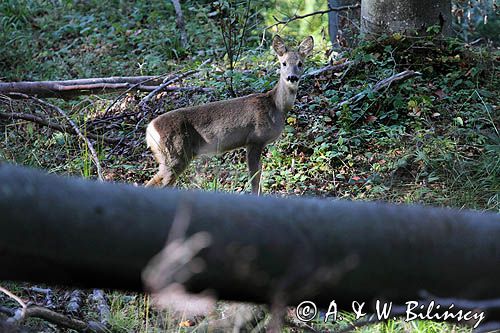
(254,153)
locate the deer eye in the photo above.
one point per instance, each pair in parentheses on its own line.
(300,63)
(284,63)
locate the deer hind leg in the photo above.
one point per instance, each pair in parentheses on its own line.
(162,156)
(163,172)
(155,181)
(169,170)
(172,162)
(174,154)
(175,168)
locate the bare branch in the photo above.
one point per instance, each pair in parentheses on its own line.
(17,299)
(329,68)
(48,295)
(34,311)
(319,12)
(167,82)
(89,144)
(142,83)
(61,128)
(385,83)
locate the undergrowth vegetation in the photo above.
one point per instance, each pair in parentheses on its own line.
(432,139)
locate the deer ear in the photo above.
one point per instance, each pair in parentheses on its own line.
(279,45)
(306,47)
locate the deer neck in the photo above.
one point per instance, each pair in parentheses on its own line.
(284,96)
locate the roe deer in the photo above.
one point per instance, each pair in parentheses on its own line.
(252,121)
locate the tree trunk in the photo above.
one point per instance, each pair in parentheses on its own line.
(404,16)
(335,28)
(179,21)
(64,230)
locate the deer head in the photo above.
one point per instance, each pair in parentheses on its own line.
(292,62)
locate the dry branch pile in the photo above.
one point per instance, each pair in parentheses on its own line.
(119,126)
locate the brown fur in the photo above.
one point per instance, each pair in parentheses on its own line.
(252,121)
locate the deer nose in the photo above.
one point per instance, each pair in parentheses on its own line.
(293,78)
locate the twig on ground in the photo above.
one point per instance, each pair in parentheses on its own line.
(329,68)
(166,83)
(23,305)
(188,88)
(127,91)
(8,311)
(48,295)
(34,311)
(61,128)
(385,83)
(162,87)
(93,153)
(102,306)
(75,301)
(151,88)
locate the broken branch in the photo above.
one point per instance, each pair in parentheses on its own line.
(61,128)
(167,82)
(89,144)
(22,313)
(319,12)
(34,311)
(329,68)
(385,83)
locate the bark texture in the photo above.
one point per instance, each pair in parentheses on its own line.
(391,16)
(65,230)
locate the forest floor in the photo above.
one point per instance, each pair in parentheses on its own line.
(432,139)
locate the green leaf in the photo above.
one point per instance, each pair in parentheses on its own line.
(459,121)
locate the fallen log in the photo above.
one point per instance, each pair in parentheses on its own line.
(72,88)
(256,249)
(68,89)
